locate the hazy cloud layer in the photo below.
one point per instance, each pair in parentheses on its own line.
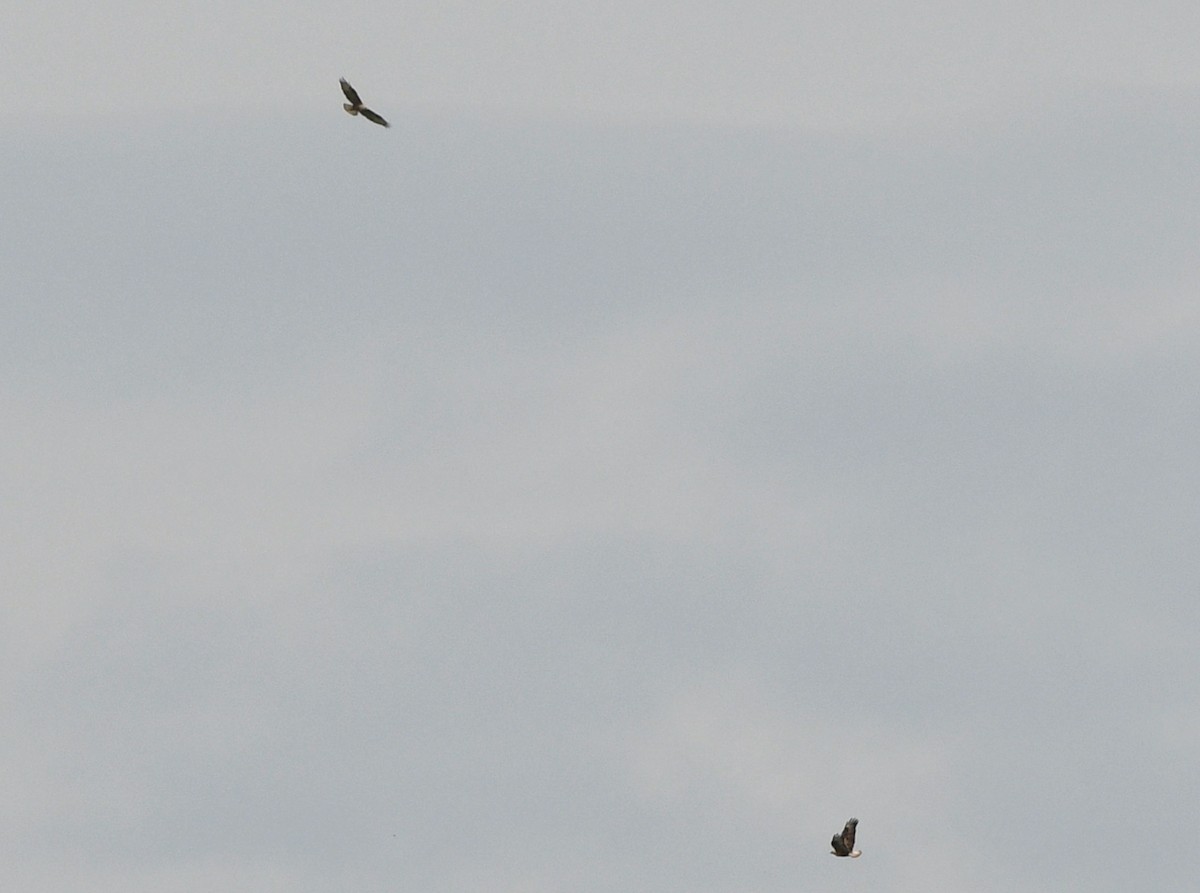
(590,488)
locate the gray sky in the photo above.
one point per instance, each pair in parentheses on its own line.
(686,428)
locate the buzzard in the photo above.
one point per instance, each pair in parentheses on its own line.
(843,844)
(355,106)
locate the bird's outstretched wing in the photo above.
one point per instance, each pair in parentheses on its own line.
(350,92)
(371,116)
(848,835)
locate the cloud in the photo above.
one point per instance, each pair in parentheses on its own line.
(592,506)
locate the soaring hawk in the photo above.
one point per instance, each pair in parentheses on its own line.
(843,844)
(355,106)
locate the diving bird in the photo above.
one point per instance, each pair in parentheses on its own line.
(843,844)
(355,106)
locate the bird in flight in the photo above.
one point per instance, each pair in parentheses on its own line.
(355,106)
(843,844)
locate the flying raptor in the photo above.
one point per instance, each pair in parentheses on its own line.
(843,844)
(355,106)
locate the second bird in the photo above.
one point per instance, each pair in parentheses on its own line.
(843,844)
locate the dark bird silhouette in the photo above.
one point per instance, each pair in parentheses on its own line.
(843,844)
(355,106)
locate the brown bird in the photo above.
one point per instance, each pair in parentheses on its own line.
(843,844)
(355,106)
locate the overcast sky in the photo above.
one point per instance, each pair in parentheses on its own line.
(689,426)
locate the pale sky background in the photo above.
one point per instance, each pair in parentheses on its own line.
(688,426)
